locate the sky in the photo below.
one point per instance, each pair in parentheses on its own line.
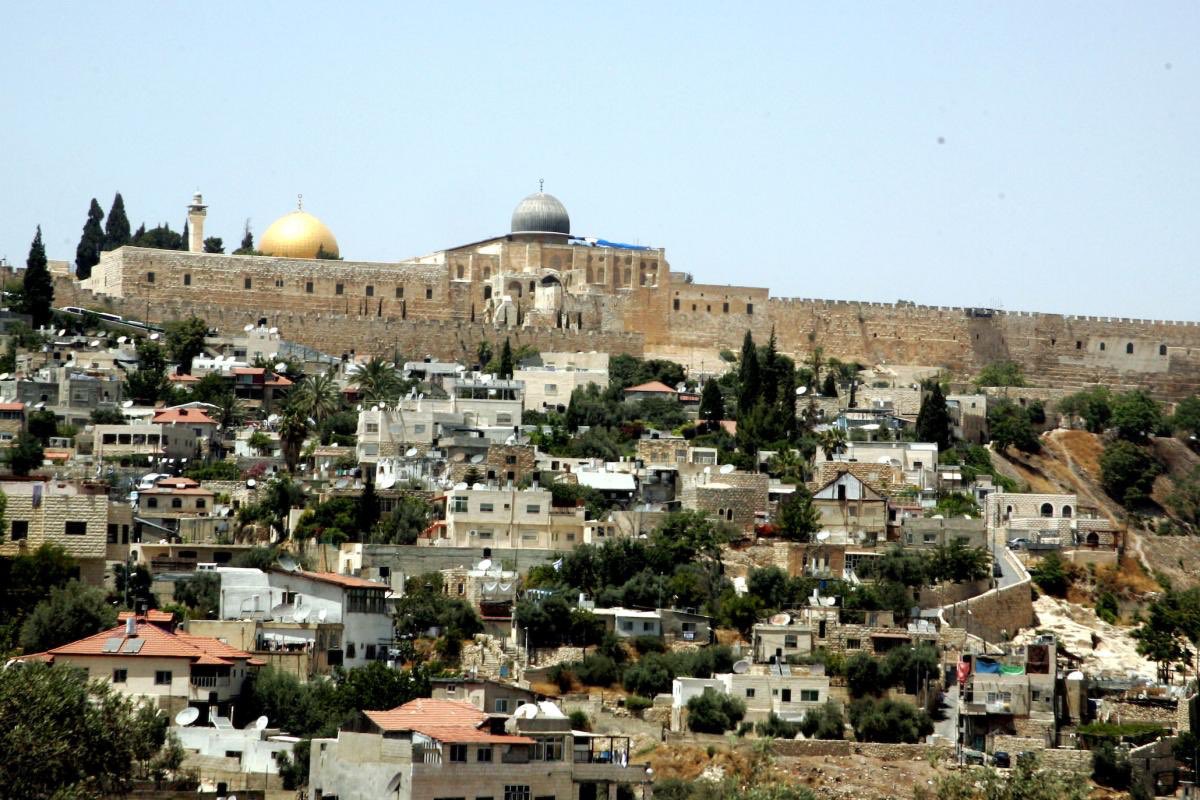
(1018,155)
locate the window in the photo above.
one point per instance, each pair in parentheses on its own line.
(501,705)
(853,644)
(551,388)
(162,677)
(533,508)
(749,308)
(1129,348)
(75,528)
(308,287)
(1162,349)
(1102,346)
(486,508)
(459,505)
(370,291)
(176,502)
(930,538)
(676,302)
(187,279)
(149,277)
(809,695)
(458,752)
(786,696)
(548,748)
(370,655)
(510,459)
(485,534)
(246,283)
(483,753)
(789,640)
(428,292)
(20,529)
(516,792)
(749,693)
(112,533)
(1078,345)
(339,288)
(120,675)
(725,308)
(399,292)
(419,428)
(350,650)
(372,427)
(1047,510)
(504,419)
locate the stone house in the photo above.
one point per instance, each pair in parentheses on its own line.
(434,748)
(848,505)
(72,515)
(1011,694)
(516,518)
(549,386)
(928,533)
(487,695)
(175,670)
(181,507)
(12,422)
(764,691)
(148,440)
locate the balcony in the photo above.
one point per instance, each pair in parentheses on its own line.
(209,681)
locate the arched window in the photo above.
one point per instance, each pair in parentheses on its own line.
(1093,539)
(1162,349)
(1066,512)
(1047,510)
(487,293)
(1129,348)
(729,514)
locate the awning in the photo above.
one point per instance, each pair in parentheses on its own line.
(889,635)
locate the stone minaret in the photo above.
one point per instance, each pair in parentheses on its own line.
(196,212)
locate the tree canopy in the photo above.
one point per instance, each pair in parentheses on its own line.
(91,242)
(116,228)
(38,286)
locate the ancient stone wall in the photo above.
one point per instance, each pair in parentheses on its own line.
(995,615)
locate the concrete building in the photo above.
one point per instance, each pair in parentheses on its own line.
(1038,522)
(489,696)
(428,749)
(12,422)
(917,460)
(549,385)
(931,532)
(181,508)
(148,440)
(847,505)
(765,691)
(515,518)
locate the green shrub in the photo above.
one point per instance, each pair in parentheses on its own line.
(777,728)
(636,703)
(597,670)
(825,722)
(649,644)
(579,720)
(562,676)
(714,712)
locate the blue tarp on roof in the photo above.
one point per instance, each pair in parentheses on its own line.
(578,240)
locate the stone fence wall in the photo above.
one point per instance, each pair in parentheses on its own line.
(998,614)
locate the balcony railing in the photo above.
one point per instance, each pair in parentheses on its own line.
(209,681)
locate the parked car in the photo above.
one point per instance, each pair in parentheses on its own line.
(1017,544)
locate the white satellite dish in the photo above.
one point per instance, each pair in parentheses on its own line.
(39,405)
(801,390)
(62,331)
(479,487)
(280,366)
(187,716)
(153,337)
(386,481)
(460,487)
(287,563)
(251,482)
(726,469)
(822,536)
(477,458)
(94,343)
(485,565)
(4,377)
(410,452)
(741,667)
(300,615)
(828,601)
(781,619)
(121,340)
(272,330)
(248,328)
(1075,676)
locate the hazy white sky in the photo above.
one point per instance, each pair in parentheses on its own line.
(1026,155)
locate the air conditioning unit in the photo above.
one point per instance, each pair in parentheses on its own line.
(474,533)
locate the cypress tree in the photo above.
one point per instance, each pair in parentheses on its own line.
(712,405)
(39,287)
(184,239)
(87,253)
(116,230)
(506,360)
(749,380)
(770,371)
(933,420)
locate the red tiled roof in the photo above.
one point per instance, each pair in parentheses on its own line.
(192,416)
(729,426)
(346,581)
(179,378)
(12,406)
(279,380)
(153,615)
(249,371)
(177,483)
(158,643)
(657,387)
(444,720)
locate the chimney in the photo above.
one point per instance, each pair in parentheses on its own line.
(196,213)
(131,625)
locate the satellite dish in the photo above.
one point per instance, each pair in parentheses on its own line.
(62,331)
(153,337)
(121,340)
(1075,676)
(322,614)
(301,614)
(410,452)
(801,390)
(460,487)
(395,783)
(726,469)
(272,330)
(127,404)
(251,482)
(4,377)
(187,716)
(387,481)
(248,328)
(477,458)
(781,619)
(479,487)
(485,565)
(741,667)
(40,405)
(287,563)
(94,343)
(281,367)
(822,536)
(828,601)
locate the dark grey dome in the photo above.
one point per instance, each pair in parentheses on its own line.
(541,213)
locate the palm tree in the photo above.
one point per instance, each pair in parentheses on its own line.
(789,466)
(377,381)
(230,411)
(316,397)
(293,430)
(832,441)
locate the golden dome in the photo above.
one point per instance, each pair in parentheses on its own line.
(298,235)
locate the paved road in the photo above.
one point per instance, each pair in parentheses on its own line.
(948,728)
